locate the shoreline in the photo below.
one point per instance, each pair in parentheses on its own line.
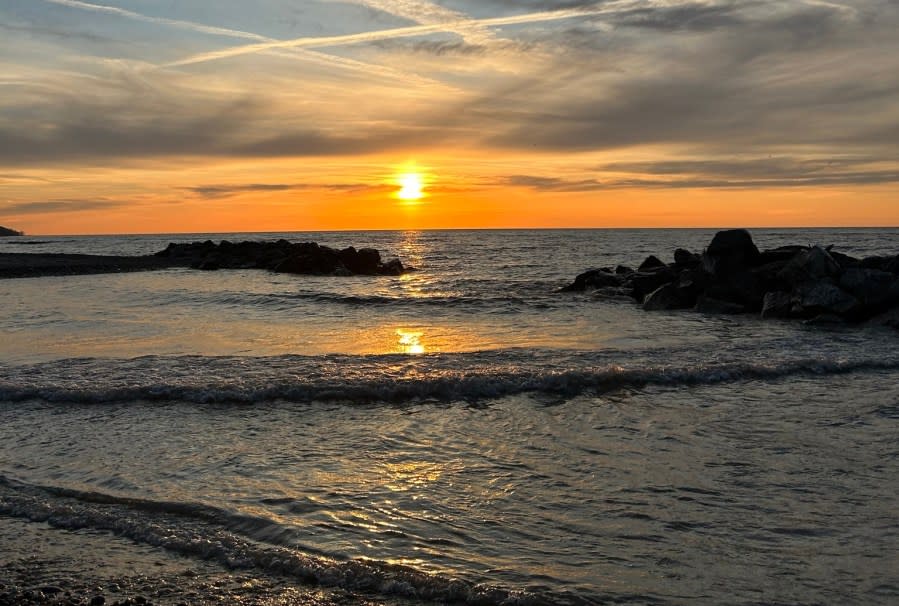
(80,568)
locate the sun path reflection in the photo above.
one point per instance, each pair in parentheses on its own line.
(410,342)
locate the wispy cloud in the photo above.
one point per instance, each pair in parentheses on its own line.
(218,191)
(58,206)
(314,57)
(372,36)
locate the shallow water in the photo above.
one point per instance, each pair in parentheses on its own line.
(496,439)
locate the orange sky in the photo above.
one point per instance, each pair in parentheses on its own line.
(133,117)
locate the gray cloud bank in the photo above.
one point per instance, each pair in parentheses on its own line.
(707,80)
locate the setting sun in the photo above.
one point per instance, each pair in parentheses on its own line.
(410,187)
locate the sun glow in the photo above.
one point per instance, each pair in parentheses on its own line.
(411,186)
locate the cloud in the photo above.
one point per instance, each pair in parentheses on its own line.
(712,174)
(373,36)
(551,183)
(59,206)
(216,191)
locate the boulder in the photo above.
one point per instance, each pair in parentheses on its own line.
(623,269)
(394,267)
(365,261)
(682,256)
(651,263)
(669,296)
(729,251)
(741,286)
(777,304)
(875,289)
(642,283)
(824,297)
(594,278)
(808,266)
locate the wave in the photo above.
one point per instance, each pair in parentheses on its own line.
(208,533)
(527,300)
(374,379)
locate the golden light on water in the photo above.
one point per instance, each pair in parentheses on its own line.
(410,342)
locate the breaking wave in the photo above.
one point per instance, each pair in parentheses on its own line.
(388,378)
(209,533)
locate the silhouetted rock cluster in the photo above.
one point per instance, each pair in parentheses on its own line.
(732,276)
(5,231)
(282,256)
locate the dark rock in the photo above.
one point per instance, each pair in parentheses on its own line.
(845,261)
(876,289)
(394,267)
(777,304)
(742,287)
(643,283)
(365,261)
(651,263)
(97,600)
(808,266)
(730,250)
(710,305)
(669,296)
(623,269)
(781,253)
(824,297)
(683,256)
(594,278)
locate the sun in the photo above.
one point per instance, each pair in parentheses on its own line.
(411,186)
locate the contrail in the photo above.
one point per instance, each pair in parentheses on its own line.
(385,34)
(425,12)
(312,56)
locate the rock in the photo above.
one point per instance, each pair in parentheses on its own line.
(97,600)
(643,283)
(594,278)
(683,256)
(5,231)
(875,289)
(366,261)
(394,267)
(669,296)
(824,297)
(741,286)
(777,304)
(623,269)
(730,250)
(781,253)
(845,261)
(809,265)
(652,262)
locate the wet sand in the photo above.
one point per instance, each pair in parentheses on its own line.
(69,568)
(35,265)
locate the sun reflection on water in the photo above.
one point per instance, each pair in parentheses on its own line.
(410,342)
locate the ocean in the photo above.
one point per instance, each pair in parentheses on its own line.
(462,433)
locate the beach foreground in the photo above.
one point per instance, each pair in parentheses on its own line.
(463,433)
(43,565)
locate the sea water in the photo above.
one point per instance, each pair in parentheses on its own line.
(462,432)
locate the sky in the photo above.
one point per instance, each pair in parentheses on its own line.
(156,116)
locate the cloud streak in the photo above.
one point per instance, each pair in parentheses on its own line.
(373,36)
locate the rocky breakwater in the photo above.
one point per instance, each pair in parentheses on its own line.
(732,276)
(282,256)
